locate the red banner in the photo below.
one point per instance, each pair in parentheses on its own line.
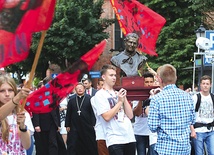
(1,4)
(50,95)
(135,17)
(18,20)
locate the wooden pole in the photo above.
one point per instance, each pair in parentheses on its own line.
(33,69)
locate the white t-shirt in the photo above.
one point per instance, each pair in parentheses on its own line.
(63,104)
(116,131)
(140,125)
(14,147)
(205,112)
(153,138)
(99,131)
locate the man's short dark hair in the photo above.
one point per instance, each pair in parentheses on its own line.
(100,79)
(87,79)
(148,74)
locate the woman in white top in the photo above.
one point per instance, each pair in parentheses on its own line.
(15,126)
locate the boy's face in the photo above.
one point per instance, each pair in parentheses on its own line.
(110,77)
(205,85)
(148,81)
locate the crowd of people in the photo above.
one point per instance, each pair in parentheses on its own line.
(100,121)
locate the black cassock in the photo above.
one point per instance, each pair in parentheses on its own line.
(81,138)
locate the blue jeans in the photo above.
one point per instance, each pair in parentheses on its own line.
(208,139)
(152,150)
(142,142)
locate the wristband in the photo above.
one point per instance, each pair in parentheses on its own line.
(23,130)
(14,102)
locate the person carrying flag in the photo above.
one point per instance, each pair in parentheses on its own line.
(15,125)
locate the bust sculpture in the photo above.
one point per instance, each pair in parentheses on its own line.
(129,60)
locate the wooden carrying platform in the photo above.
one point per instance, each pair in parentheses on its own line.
(135,88)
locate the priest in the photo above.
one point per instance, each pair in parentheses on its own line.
(80,121)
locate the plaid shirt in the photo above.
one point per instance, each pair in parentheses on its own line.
(170,115)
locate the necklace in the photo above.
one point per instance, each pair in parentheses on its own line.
(79,106)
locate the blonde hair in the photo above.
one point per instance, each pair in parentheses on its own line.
(4,124)
(167,74)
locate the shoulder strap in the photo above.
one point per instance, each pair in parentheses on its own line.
(198,102)
(212,96)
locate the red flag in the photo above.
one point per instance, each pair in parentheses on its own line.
(135,17)
(50,95)
(1,4)
(18,20)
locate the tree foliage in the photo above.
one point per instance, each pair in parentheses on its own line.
(206,9)
(76,28)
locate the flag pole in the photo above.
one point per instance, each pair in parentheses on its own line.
(33,69)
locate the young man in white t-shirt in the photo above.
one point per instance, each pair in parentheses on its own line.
(116,113)
(141,128)
(204,118)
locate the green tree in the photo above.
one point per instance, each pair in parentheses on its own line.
(176,42)
(76,28)
(205,8)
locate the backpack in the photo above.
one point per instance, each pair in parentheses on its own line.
(199,101)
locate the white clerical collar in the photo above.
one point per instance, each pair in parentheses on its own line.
(80,96)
